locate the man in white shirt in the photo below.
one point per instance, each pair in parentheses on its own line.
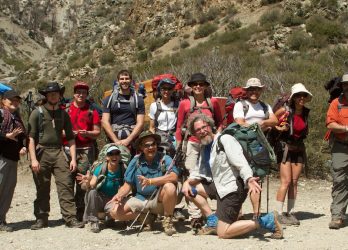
(252,110)
(230,172)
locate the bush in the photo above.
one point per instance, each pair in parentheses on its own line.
(234,24)
(319,25)
(107,57)
(184,44)
(270,18)
(298,40)
(328,4)
(290,19)
(155,43)
(142,56)
(205,30)
(266,2)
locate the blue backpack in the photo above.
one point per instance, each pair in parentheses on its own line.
(4,88)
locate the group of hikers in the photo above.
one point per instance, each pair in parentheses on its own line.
(187,152)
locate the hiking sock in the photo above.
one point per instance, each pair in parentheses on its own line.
(279,206)
(291,205)
(212,220)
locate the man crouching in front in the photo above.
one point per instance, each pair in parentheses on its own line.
(154,178)
(222,156)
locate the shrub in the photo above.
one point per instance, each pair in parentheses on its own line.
(266,2)
(184,44)
(234,24)
(328,4)
(142,55)
(270,18)
(290,19)
(298,40)
(155,43)
(185,36)
(107,57)
(319,25)
(205,30)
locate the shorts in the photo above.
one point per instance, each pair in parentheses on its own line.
(229,206)
(292,157)
(154,206)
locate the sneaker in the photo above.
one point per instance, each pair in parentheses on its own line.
(270,222)
(207,231)
(39,224)
(95,228)
(178,215)
(74,223)
(149,221)
(5,228)
(292,220)
(168,226)
(336,224)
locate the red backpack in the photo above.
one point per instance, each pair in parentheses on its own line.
(236,94)
(158,78)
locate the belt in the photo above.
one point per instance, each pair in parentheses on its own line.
(50,146)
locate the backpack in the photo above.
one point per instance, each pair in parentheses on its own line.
(4,88)
(334,88)
(256,148)
(263,105)
(42,111)
(235,95)
(178,85)
(115,100)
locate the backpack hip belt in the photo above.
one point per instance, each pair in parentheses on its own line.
(118,128)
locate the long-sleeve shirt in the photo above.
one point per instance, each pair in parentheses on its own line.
(227,163)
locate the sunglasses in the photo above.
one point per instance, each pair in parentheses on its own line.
(166,89)
(305,95)
(151,144)
(199,83)
(113,153)
(253,89)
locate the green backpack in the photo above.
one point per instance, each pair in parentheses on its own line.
(256,148)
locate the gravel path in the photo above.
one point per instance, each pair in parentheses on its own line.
(313,233)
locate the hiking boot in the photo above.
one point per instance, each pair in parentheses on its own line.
(178,215)
(197,223)
(74,223)
(149,221)
(5,228)
(39,224)
(293,221)
(79,214)
(210,227)
(168,226)
(336,224)
(270,222)
(95,228)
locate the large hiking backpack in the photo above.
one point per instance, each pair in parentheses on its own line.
(115,100)
(256,148)
(235,95)
(334,88)
(178,85)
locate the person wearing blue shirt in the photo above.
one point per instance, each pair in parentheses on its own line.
(149,173)
(102,186)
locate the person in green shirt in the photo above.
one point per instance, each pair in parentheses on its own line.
(103,185)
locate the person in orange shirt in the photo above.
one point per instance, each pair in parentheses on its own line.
(337,122)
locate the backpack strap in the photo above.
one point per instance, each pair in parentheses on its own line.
(210,105)
(265,109)
(192,103)
(340,104)
(158,111)
(40,119)
(245,107)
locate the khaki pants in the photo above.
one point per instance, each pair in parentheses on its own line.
(155,207)
(52,161)
(339,171)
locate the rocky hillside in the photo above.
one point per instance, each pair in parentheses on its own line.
(72,39)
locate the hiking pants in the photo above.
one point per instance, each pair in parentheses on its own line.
(95,203)
(339,171)
(52,161)
(8,180)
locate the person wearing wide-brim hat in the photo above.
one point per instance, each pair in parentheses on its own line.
(46,126)
(337,123)
(291,152)
(147,173)
(52,87)
(253,110)
(12,145)
(199,101)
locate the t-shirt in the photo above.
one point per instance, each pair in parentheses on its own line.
(139,166)
(184,110)
(338,116)
(123,115)
(167,117)
(112,183)
(299,125)
(53,123)
(83,119)
(255,112)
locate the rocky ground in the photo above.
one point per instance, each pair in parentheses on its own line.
(313,233)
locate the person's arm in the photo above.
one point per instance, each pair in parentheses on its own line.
(122,193)
(32,131)
(152,126)
(72,148)
(105,122)
(187,187)
(180,121)
(235,156)
(35,165)
(218,118)
(158,181)
(93,134)
(153,110)
(270,122)
(337,128)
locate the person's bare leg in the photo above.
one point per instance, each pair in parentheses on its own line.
(122,213)
(201,201)
(285,180)
(227,231)
(168,198)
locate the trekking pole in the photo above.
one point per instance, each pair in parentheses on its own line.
(258,209)
(150,198)
(267,192)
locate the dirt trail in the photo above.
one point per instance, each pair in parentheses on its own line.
(313,233)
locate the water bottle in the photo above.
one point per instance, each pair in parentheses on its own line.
(194,192)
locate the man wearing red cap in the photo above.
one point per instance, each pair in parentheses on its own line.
(86,128)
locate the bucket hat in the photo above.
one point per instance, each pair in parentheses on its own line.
(300,88)
(144,135)
(344,78)
(51,87)
(253,82)
(198,77)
